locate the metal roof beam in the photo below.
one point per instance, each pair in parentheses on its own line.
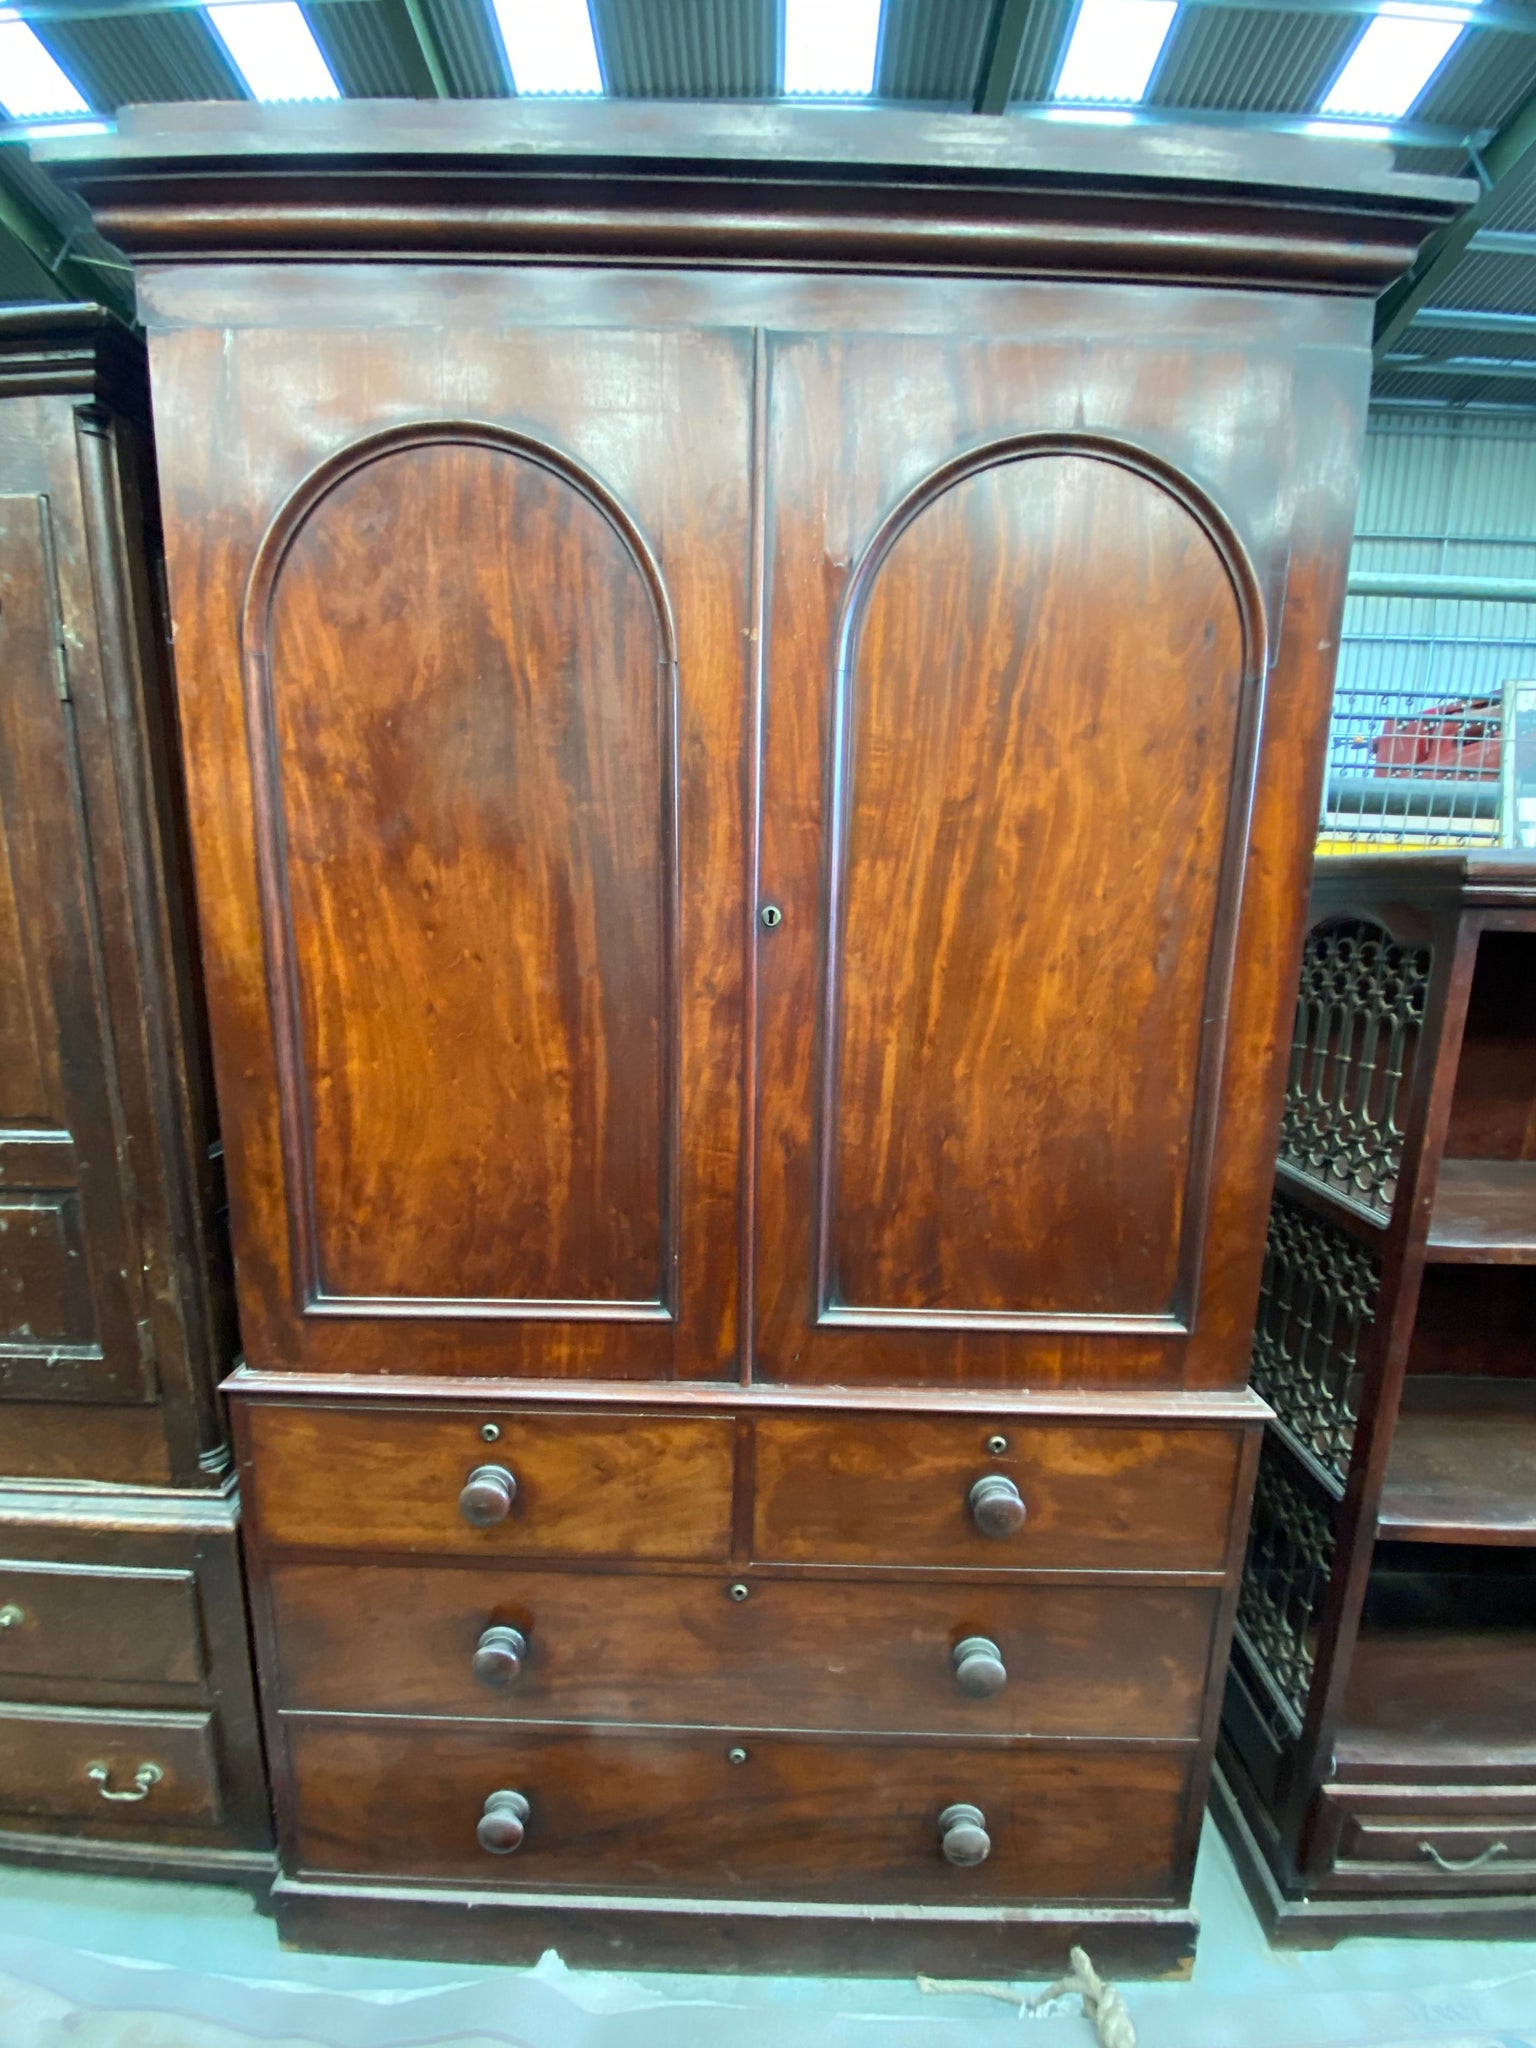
(1474,320)
(1472,371)
(1508,153)
(49,246)
(1000,62)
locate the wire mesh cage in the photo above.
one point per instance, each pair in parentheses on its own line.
(1412,768)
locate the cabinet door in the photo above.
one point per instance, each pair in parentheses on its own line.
(68,1326)
(1016,1072)
(460,610)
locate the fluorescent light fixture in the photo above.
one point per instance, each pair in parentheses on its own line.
(273,48)
(550,46)
(829,48)
(31,83)
(1114,46)
(1394,60)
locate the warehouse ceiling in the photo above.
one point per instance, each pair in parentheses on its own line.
(1461,331)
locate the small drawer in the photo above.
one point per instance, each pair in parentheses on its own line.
(74,1764)
(1432,1838)
(748,1652)
(903,1492)
(706,1813)
(83,1625)
(586,1485)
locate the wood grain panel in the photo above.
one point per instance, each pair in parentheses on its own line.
(646,1812)
(610,1485)
(894,1492)
(470,677)
(46,1755)
(1040,703)
(107,1623)
(749,1652)
(45,1294)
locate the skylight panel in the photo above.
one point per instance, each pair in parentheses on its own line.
(32,85)
(1115,46)
(550,46)
(829,48)
(1394,60)
(273,48)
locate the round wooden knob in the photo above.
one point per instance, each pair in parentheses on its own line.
(487,1496)
(499,1654)
(503,1824)
(996,1506)
(963,1836)
(979,1667)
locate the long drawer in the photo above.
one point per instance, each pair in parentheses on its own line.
(76,1622)
(749,1651)
(704,1813)
(78,1764)
(365,1477)
(1431,1838)
(901,1491)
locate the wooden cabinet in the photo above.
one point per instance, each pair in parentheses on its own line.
(1379,1768)
(753,690)
(122,1625)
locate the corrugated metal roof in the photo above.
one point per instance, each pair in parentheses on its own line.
(1045,36)
(688,49)
(1250,59)
(1497,284)
(1482,82)
(930,53)
(372,49)
(127,59)
(470,46)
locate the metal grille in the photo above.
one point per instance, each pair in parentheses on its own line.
(1285,1575)
(1318,1298)
(1359,1014)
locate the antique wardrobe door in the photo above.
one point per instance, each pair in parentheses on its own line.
(1017,661)
(475,928)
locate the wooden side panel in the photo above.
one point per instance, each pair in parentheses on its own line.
(470,687)
(1041,699)
(68,1329)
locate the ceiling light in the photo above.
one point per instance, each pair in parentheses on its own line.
(31,82)
(1394,60)
(550,46)
(273,48)
(1114,46)
(829,48)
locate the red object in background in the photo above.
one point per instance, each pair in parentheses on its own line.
(1460,739)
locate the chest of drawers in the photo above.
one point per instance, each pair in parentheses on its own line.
(753,693)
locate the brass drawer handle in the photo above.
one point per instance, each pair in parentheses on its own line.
(979,1667)
(503,1824)
(1490,1855)
(499,1656)
(963,1836)
(145,1778)
(997,1507)
(11,1616)
(487,1496)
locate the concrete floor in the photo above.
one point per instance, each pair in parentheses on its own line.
(110,1963)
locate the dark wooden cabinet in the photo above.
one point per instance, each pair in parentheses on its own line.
(1379,1740)
(123,1645)
(753,688)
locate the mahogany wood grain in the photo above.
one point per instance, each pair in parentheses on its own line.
(1493,1107)
(47,1755)
(840,1654)
(1484,1213)
(626,1810)
(886,1492)
(107,1623)
(1463,1463)
(1400,1837)
(373,1478)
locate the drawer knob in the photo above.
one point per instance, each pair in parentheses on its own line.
(963,1836)
(487,1496)
(145,1779)
(997,1508)
(11,1616)
(503,1824)
(979,1667)
(499,1655)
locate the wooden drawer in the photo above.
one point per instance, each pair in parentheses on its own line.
(896,1491)
(795,1816)
(791,1653)
(605,1485)
(47,1756)
(1432,1837)
(81,1624)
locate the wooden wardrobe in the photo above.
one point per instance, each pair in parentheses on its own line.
(753,685)
(128,1730)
